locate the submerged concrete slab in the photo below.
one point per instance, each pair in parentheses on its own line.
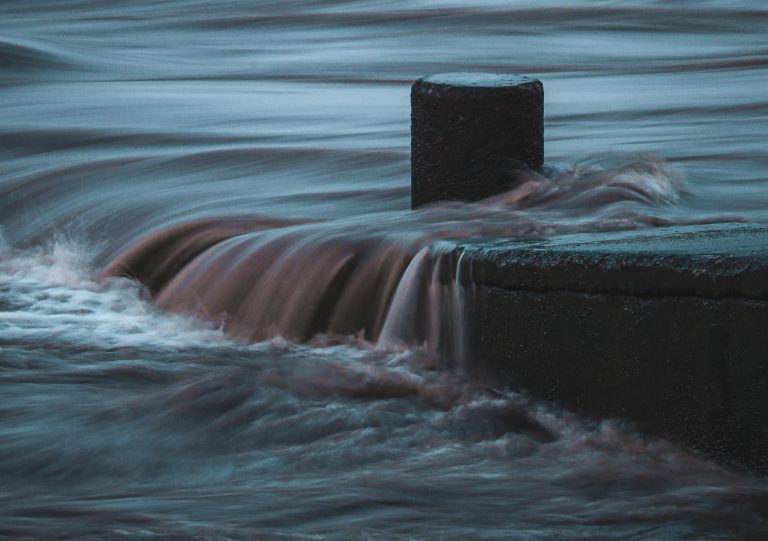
(667,328)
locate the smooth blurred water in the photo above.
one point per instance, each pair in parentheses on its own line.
(119,420)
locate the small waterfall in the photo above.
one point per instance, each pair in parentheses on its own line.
(299,281)
(429,308)
(402,317)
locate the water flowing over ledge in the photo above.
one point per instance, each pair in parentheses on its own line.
(393,280)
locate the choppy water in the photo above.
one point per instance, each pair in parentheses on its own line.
(186,143)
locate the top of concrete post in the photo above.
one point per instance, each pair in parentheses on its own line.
(469,85)
(477,79)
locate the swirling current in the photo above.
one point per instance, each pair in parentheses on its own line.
(219,318)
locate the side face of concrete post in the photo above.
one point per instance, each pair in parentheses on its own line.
(471,133)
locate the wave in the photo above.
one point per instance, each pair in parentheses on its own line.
(25,56)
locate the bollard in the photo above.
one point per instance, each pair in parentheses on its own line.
(471,133)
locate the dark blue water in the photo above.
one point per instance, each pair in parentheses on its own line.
(235,158)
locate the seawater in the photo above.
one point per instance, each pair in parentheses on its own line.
(158,383)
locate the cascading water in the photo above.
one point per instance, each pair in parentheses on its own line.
(259,278)
(429,307)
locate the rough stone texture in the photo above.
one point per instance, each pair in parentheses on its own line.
(708,261)
(669,330)
(471,133)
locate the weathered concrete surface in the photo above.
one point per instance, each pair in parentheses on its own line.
(668,328)
(471,133)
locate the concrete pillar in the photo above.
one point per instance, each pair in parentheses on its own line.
(471,133)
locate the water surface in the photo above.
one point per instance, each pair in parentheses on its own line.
(186,143)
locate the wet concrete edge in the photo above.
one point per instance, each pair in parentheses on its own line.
(667,328)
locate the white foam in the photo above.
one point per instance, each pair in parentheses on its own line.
(50,296)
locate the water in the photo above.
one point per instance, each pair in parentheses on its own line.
(183,144)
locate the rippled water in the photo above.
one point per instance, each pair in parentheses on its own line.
(181,143)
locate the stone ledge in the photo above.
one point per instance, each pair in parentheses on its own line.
(666,328)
